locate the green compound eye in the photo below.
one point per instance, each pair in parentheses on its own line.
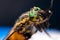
(33,13)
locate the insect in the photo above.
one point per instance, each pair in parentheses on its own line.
(28,24)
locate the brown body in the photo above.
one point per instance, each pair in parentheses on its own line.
(17,36)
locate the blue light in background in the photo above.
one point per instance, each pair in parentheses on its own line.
(4,31)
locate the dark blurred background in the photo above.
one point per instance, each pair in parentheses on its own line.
(10,10)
